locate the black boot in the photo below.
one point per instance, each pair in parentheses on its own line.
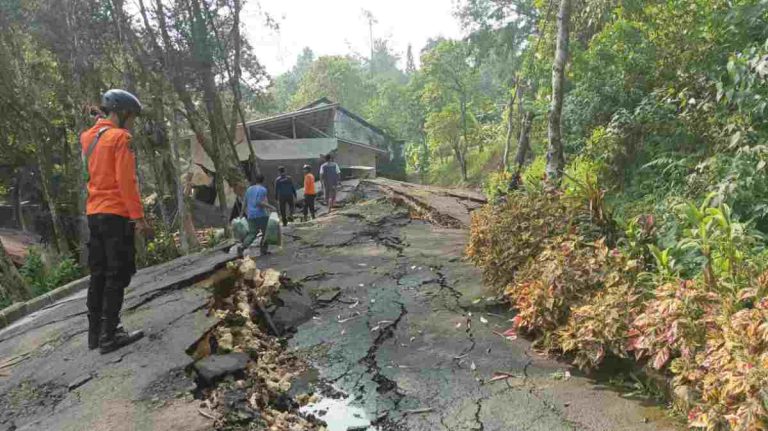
(94,330)
(114,337)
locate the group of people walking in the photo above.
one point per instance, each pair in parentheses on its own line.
(115,212)
(257,206)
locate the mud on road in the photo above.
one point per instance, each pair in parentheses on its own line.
(390,330)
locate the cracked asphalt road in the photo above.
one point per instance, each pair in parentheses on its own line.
(410,339)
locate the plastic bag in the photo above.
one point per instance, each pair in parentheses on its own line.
(274,234)
(240,228)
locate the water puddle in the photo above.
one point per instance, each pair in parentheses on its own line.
(340,414)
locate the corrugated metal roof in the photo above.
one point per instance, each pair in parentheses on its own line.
(288,149)
(308,123)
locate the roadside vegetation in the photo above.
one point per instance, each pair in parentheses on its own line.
(650,243)
(622,143)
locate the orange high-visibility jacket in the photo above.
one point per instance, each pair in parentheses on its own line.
(113,188)
(309,184)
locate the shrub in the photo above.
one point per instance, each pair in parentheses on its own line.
(162,248)
(505,237)
(534,174)
(673,323)
(730,374)
(601,325)
(497,185)
(562,276)
(579,173)
(42,277)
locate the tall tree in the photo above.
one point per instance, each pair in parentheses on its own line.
(339,78)
(451,80)
(410,64)
(514,95)
(555,155)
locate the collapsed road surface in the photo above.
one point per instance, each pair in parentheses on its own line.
(394,325)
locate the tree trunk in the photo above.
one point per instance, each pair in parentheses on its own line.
(16,198)
(460,149)
(186,226)
(555,156)
(524,142)
(510,126)
(80,124)
(46,172)
(11,284)
(461,158)
(213,144)
(253,167)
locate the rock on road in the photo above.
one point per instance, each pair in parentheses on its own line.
(401,327)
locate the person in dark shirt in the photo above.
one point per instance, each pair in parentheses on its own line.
(285,193)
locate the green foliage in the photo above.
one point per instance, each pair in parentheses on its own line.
(43,277)
(504,238)
(614,73)
(534,174)
(497,185)
(695,309)
(162,248)
(337,78)
(580,172)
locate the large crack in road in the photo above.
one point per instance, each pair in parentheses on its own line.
(398,336)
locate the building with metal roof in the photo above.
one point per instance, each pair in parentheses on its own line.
(304,136)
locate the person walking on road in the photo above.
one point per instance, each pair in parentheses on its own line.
(257,212)
(114,211)
(285,193)
(330,174)
(309,193)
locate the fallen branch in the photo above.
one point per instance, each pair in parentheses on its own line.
(205,414)
(497,376)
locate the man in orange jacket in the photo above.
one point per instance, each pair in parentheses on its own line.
(114,210)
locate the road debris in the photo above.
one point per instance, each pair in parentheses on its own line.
(355,315)
(499,375)
(419,411)
(80,381)
(206,414)
(255,368)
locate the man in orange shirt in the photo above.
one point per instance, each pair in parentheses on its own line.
(309,192)
(114,210)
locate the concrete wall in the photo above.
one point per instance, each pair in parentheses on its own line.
(355,155)
(392,166)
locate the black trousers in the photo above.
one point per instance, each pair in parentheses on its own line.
(309,205)
(112,262)
(286,203)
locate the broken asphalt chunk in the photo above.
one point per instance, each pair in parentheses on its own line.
(215,367)
(329,295)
